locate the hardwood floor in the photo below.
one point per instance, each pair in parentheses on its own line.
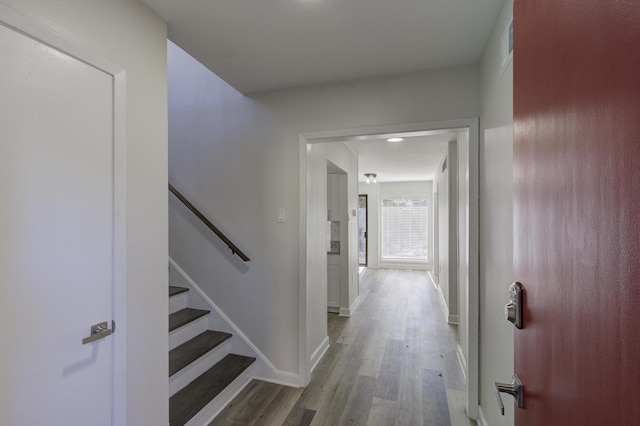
(392,363)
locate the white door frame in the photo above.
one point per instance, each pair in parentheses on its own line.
(32,29)
(472,363)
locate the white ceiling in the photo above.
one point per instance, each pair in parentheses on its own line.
(413,159)
(257,45)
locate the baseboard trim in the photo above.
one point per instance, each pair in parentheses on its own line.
(462,362)
(389,264)
(318,354)
(482,421)
(443,303)
(272,374)
(433,278)
(347,312)
(451,319)
(276,381)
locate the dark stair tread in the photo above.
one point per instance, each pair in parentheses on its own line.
(175,290)
(193,349)
(187,402)
(185,316)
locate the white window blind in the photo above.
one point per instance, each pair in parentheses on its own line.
(405,228)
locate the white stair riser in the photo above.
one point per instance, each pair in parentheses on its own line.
(188,332)
(220,322)
(217,404)
(192,371)
(178,302)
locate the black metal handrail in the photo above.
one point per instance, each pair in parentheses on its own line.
(234,249)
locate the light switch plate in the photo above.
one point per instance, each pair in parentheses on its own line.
(281,218)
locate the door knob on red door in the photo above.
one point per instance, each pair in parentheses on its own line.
(514,389)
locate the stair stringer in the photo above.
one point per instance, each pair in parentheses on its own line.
(262,368)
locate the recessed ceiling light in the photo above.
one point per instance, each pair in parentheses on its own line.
(395,139)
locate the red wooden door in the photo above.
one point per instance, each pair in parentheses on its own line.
(577,210)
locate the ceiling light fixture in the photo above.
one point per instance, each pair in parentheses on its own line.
(370,177)
(395,139)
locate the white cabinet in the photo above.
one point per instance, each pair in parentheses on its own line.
(333,283)
(334,267)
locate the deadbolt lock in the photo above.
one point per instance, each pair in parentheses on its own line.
(513,309)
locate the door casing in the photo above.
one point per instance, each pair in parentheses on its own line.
(472,289)
(366,227)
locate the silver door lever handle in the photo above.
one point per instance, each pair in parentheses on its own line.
(514,389)
(99,331)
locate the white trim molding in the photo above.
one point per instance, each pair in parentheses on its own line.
(451,319)
(265,370)
(347,312)
(472,291)
(482,421)
(462,362)
(318,354)
(405,264)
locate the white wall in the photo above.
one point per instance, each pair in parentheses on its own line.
(128,34)
(237,158)
(496,224)
(442,182)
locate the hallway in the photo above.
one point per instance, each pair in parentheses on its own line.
(393,362)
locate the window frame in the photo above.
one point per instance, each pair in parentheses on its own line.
(428,227)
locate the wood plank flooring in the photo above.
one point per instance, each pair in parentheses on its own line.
(392,363)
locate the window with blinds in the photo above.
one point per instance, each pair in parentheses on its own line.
(405,228)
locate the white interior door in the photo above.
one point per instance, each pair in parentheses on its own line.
(56,235)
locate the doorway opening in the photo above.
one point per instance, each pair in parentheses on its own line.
(363,225)
(313,320)
(337,238)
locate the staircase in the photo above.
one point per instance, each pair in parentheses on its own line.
(203,374)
